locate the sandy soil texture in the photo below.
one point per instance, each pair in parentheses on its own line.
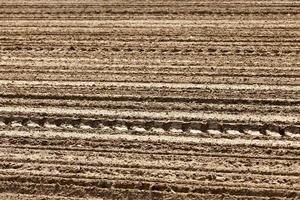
(155,99)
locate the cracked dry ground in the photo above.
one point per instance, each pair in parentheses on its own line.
(155,99)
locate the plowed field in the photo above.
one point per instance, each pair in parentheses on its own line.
(155,99)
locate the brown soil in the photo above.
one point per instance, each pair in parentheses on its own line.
(149,100)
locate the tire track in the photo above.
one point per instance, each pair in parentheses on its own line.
(149,99)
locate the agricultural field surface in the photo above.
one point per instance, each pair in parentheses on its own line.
(149,100)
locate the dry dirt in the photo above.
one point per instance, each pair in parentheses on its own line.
(155,99)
